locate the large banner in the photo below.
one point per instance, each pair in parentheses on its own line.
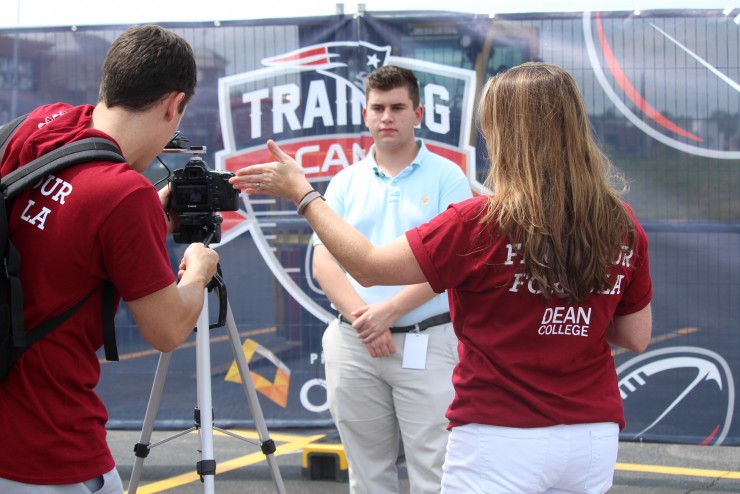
(663,94)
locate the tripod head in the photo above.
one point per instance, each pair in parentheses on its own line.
(202,227)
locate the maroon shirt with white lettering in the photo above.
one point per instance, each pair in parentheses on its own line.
(88,223)
(524,362)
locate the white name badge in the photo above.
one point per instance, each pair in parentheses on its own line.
(415,351)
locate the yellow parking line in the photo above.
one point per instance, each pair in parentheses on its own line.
(693,472)
(252,434)
(295,444)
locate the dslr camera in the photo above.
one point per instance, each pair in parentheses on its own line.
(196,189)
(196,192)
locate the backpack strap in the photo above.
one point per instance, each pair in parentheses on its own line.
(74,153)
(82,151)
(109,328)
(12,260)
(45,327)
(10,256)
(7,130)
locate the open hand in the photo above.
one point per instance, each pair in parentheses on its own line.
(282,178)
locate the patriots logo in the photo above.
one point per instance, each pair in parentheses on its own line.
(339,59)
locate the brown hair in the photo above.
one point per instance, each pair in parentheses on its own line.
(554,192)
(145,64)
(390,77)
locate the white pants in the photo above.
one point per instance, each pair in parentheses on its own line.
(554,460)
(110,483)
(372,399)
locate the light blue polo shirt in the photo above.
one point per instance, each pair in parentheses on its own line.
(384,207)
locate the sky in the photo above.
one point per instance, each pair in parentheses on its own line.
(33,13)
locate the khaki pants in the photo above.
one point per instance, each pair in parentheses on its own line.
(373,400)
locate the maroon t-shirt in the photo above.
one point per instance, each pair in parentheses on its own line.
(86,224)
(524,362)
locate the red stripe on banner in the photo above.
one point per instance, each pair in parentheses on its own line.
(454,155)
(322,157)
(710,437)
(303,54)
(632,93)
(322,61)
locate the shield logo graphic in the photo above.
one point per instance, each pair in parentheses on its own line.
(310,102)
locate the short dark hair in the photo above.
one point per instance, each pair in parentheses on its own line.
(143,65)
(390,77)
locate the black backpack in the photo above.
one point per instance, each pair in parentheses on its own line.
(14,339)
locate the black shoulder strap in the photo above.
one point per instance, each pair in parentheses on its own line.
(82,151)
(45,327)
(7,130)
(9,253)
(109,329)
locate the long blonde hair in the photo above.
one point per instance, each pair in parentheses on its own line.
(554,192)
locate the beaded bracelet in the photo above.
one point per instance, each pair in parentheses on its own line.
(307,199)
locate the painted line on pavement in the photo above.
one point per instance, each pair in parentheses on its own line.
(294,443)
(692,472)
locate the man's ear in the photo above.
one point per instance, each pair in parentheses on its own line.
(173,104)
(419,114)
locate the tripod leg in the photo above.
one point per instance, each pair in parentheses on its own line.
(268,445)
(207,465)
(142,448)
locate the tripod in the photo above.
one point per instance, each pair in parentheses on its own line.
(206,468)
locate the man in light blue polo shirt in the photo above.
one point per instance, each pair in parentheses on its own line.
(390,353)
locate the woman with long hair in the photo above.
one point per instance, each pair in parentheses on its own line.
(542,275)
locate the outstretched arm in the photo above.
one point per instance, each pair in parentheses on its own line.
(391,264)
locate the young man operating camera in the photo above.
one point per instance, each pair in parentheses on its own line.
(109,225)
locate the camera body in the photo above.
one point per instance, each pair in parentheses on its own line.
(196,189)
(196,192)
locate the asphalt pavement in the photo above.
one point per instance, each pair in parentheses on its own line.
(643,468)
